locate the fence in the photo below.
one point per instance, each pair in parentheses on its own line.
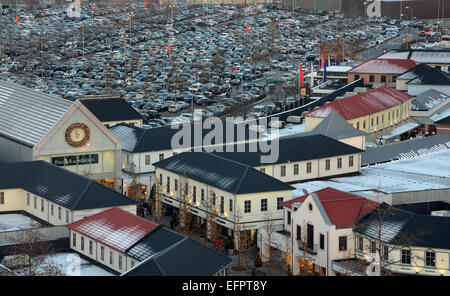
(27,235)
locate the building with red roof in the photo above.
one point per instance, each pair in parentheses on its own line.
(106,236)
(318,229)
(369,112)
(380,70)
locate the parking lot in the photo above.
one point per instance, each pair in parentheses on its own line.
(169,61)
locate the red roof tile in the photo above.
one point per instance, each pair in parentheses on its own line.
(115,228)
(373,101)
(343,209)
(384,66)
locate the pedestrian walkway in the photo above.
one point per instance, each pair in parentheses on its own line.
(274,268)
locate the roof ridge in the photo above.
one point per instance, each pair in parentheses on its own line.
(241,180)
(83,193)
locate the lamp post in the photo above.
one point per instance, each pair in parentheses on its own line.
(412,13)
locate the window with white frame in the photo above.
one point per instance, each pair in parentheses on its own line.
(35,202)
(430,258)
(343,243)
(327,164)
(111,257)
(74,239)
(51,210)
(161,156)
(176,185)
(350,161)
(28,199)
(168,184)
(147,159)
(283,171)
(247,206)
(59,213)
(296,169)
(222,204)
(279,203)
(360,243)
(339,163)
(406,256)
(2,198)
(308,167)
(203,194)
(373,247)
(289,217)
(231,205)
(386,253)
(42,205)
(120,261)
(67,216)
(82,243)
(91,247)
(102,253)
(264,205)
(194,194)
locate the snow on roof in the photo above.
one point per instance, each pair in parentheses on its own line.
(402,128)
(115,228)
(385,66)
(373,101)
(420,173)
(428,99)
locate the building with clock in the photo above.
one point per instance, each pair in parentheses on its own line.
(38,126)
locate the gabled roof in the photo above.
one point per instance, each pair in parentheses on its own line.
(26,115)
(373,101)
(169,253)
(406,149)
(415,72)
(58,185)
(342,208)
(115,228)
(336,127)
(429,56)
(384,66)
(405,228)
(222,173)
(111,109)
(445,121)
(290,149)
(432,77)
(428,100)
(136,140)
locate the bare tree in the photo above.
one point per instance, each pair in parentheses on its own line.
(157,206)
(135,188)
(242,237)
(212,212)
(269,230)
(185,215)
(32,255)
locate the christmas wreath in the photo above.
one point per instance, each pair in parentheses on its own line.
(83,141)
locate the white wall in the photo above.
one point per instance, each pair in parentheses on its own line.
(96,253)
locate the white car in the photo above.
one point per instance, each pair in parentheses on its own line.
(173,108)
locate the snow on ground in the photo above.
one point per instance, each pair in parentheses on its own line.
(289,130)
(421,173)
(64,261)
(11,222)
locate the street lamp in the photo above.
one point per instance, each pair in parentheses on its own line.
(410,26)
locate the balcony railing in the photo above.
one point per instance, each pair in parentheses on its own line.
(308,248)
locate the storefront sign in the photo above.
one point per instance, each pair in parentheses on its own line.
(75,159)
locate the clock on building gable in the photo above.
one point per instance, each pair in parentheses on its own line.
(77,135)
